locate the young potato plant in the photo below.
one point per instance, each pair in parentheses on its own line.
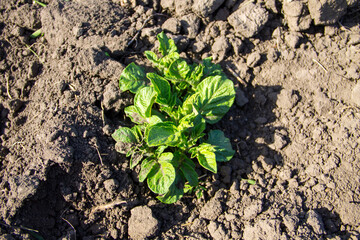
(171,109)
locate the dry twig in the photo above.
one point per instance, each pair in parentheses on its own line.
(107,206)
(232,71)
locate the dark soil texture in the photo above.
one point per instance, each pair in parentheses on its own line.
(295,124)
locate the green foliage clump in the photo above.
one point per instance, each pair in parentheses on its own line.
(171,109)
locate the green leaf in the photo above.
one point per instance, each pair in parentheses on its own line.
(199,127)
(249,181)
(137,132)
(167,46)
(161,176)
(124,134)
(196,76)
(215,97)
(166,157)
(199,192)
(163,89)
(222,145)
(189,172)
(143,101)
(132,78)
(164,133)
(135,159)
(188,106)
(152,57)
(211,69)
(166,62)
(36,34)
(179,69)
(146,166)
(133,114)
(125,140)
(160,150)
(176,191)
(206,156)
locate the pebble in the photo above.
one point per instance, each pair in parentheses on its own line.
(190,24)
(280,141)
(111,185)
(315,221)
(206,7)
(172,25)
(248,19)
(253,59)
(355,94)
(292,39)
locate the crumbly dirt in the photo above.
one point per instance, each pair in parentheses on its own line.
(295,124)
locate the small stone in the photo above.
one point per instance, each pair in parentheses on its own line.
(355,94)
(168,4)
(253,210)
(272,55)
(15,105)
(206,7)
(237,45)
(291,222)
(285,174)
(248,19)
(315,221)
(253,59)
(293,183)
(280,141)
(220,47)
(331,163)
(217,231)
(330,30)
(17,31)
(354,39)
(172,25)
(268,229)
(183,7)
(287,99)
(211,210)
(292,39)
(142,223)
(297,15)
(353,72)
(229,217)
(272,6)
(267,163)
(111,185)
(198,46)
(240,98)
(190,24)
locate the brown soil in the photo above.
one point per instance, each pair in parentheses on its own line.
(295,125)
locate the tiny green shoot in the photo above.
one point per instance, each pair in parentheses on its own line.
(40,3)
(250,181)
(36,34)
(171,110)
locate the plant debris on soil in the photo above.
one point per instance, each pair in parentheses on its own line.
(295,124)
